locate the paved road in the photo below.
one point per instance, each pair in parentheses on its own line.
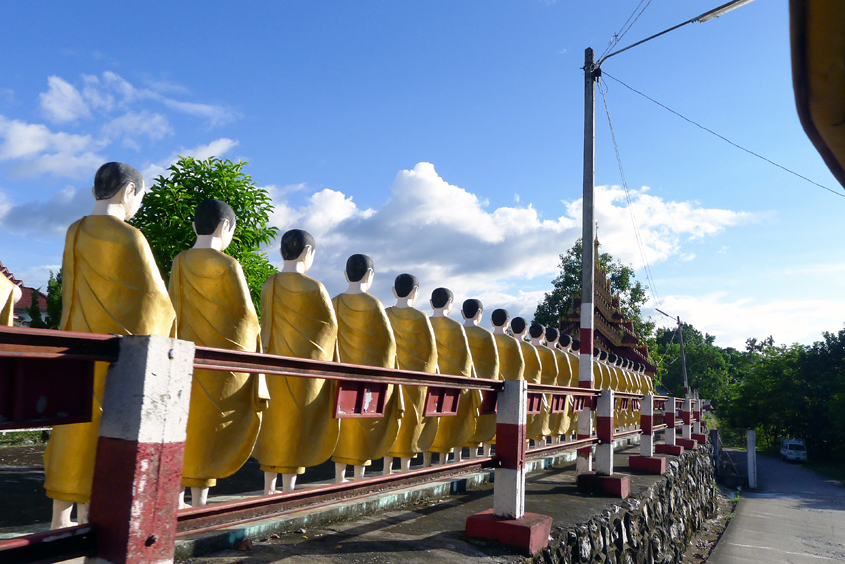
(794,516)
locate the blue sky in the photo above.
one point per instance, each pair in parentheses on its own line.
(445,139)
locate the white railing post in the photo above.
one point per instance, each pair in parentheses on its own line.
(604,432)
(752,458)
(141,446)
(509,487)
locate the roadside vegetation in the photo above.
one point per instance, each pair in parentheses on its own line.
(781,391)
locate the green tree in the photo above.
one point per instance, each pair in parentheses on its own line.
(567,284)
(34,312)
(167,213)
(707,367)
(54,300)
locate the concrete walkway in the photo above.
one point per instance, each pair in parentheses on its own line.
(794,516)
(430,531)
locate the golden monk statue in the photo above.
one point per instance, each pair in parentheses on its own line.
(111,285)
(453,357)
(415,350)
(214,309)
(10,294)
(569,363)
(364,336)
(533,369)
(600,376)
(549,374)
(511,361)
(298,429)
(485,360)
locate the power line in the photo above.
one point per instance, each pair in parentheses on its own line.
(640,244)
(722,137)
(617,37)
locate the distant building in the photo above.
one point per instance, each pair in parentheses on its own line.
(613,331)
(21,315)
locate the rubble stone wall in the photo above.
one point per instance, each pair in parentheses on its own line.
(653,526)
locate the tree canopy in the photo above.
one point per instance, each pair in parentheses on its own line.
(567,284)
(167,213)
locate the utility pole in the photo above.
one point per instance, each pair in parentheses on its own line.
(584,462)
(683,356)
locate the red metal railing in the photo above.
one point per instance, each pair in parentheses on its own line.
(23,348)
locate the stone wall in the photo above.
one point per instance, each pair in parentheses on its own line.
(652,526)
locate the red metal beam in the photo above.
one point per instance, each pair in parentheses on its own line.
(23,342)
(50,546)
(219,515)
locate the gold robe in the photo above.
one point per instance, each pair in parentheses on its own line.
(415,350)
(453,357)
(485,359)
(548,377)
(532,373)
(7,301)
(111,285)
(574,375)
(364,336)
(511,362)
(298,429)
(559,423)
(214,309)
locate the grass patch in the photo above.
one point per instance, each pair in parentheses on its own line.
(23,438)
(829,469)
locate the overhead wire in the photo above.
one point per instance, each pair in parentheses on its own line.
(617,37)
(722,137)
(638,236)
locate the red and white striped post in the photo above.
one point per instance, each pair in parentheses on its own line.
(584,459)
(669,418)
(508,522)
(670,445)
(696,426)
(646,461)
(509,488)
(647,426)
(686,419)
(138,469)
(604,433)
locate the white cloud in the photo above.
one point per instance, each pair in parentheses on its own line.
(132,125)
(45,152)
(663,225)
(446,237)
(50,217)
(62,102)
(216,115)
(217,148)
(733,321)
(96,98)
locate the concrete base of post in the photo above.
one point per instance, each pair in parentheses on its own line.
(647,464)
(701,438)
(529,533)
(674,450)
(618,486)
(689,444)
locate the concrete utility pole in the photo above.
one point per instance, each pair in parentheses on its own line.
(592,72)
(683,356)
(584,462)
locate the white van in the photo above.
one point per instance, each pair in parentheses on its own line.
(793,450)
